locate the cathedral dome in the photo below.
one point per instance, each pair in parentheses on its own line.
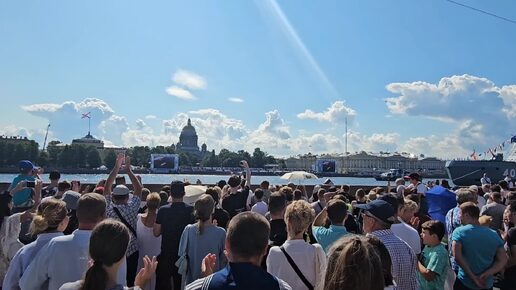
(188,130)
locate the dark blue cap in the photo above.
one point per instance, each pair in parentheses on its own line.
(380,209)
(26,165)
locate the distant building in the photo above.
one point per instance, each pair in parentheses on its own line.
(90,141)
(15,140)
(188,142)
(369,163)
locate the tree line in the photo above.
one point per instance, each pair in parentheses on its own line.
(82,157)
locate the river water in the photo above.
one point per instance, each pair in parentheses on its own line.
(208,179)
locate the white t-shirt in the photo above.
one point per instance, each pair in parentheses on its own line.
(260,207)
(310,259)
(407,234)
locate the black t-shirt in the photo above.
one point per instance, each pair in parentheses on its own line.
(510,273)
(221,216)
(48,191)
(173,219)
(236,203)
(278,233)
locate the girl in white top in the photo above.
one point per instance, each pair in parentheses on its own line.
(148,244)
(108,244)
(310,259)
(49,222)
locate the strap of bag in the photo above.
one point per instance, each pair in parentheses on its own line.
(122,219)
(296,269)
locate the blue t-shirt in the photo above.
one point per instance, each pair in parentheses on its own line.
(24,195)
(327,236)
(479,246)
(434,259)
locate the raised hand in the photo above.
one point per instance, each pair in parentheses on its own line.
(146,273)
(120,158)
(127,163)
(208,265)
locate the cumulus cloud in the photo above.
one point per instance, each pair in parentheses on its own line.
(180,93)
(480,113)
(113,128)
(62,117)
(236,100)
(189,80)
(336,113)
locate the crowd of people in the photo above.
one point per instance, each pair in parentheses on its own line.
(115,236)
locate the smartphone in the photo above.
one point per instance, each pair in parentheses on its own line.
(30,184)
(241,163)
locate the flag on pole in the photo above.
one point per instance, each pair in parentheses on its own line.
(86,115)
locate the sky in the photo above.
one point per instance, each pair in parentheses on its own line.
(422,77)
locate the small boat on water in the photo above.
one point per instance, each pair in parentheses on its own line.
(391,175)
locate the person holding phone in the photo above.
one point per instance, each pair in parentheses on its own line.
(22,199)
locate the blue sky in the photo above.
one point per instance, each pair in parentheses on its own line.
(446,70)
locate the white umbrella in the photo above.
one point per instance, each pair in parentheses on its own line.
(299,175)
(193,192)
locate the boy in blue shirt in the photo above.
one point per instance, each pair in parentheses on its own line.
(23,198)
(433,266)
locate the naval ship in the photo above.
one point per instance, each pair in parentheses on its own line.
(469,172)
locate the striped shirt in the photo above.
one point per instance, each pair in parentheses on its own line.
(404,260)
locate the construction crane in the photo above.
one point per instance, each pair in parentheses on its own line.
(46,136)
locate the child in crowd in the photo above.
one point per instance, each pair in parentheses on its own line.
(432,268)
(260,206)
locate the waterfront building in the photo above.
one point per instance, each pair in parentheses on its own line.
(368,163)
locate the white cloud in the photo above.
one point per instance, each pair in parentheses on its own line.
(336,113)
(140,124)
(480,114)
(62,117)
(151,117)
(113,128)
(236,100)
(180,93)
(189,80)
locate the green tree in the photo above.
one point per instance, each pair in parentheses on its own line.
(79,156)
(258,160)
(43,159)
(210,160)
(184,159)
(53,152)
(66,157)
(9,154)
(3,156)
(19,152)
(110,159)
(93,158)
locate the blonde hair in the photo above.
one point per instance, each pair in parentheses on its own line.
(410,205)
(299,215)
(372,196)
(153,201)
(51,212)
(485,220)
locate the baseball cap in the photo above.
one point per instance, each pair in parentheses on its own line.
(26,165)
(71,198)
(413,175)
(381,209)
(120,190)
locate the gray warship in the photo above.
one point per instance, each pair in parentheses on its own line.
(469,172)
